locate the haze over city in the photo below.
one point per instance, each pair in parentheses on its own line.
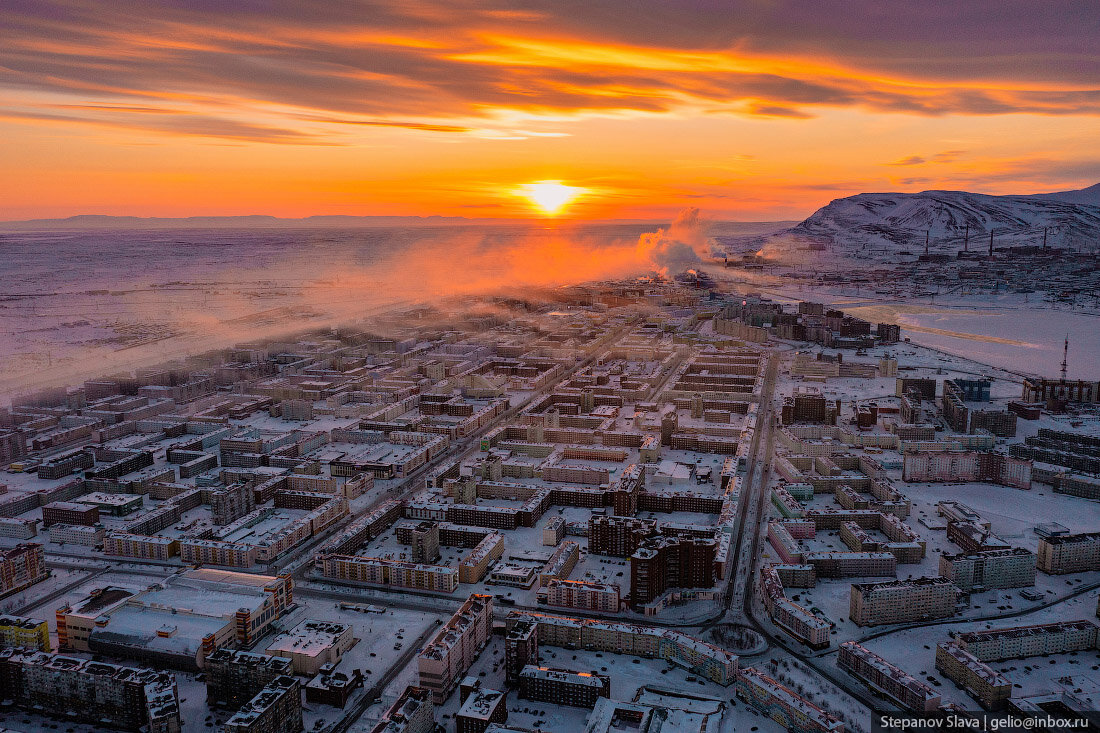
(490,366)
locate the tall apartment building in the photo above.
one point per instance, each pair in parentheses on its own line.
(901,601)
(990,688)
(617,536)
(521,647)
(443,661)
(424,539)
(92,692)
(562,687)
(275,709)
(234,677)
(878,674)
(412,712)
(1071,553)
(988,569)
(664,562)
(22,566)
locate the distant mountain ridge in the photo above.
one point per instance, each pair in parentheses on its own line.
(903,220)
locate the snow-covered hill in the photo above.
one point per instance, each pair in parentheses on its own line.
(897,221)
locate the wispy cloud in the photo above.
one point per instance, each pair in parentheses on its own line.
(456,66)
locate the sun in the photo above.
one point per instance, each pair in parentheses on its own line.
(550,196)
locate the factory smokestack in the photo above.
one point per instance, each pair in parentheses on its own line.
(966,238)
(990,242)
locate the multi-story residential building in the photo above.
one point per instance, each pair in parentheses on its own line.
(234,677)
(800,622)
(1071,553)
(561,562)
(25,633)
(663,562)
(216,552)
(521,647)
(443,661)
(382,571)
(554,531)
(852,564)
(148,547)
(955,465)
(902,601)
(989,687)
(583,595)
(275,709)
(1018,642)
(412,712)
(21,567)
(78,534)
(69,512)
(878,674)
(481,708)
(562,687)
(617,536)
(474,566)
(711,661)
(92,692)
(989,569)
(783,705)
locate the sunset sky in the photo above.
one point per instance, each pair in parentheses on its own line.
(752,111)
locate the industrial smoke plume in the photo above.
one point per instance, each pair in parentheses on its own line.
(317,289)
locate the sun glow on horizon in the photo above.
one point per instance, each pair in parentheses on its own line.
(550,196)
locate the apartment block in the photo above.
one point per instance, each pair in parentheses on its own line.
(480,708)
(711,661)
(521,647)
(21,567)
(562,687)
(885,678)
(777,702)
(990,569)
(617,536)
(92,692)
(24,633)
(148,547)
(412,712)
(1073,553)
(68,512)
(1019,642)
(583,595)
(473,567)
(902,601)
(990,688)
(78,534)
(234,677)
(450,653)
(561,562)
(275,709)
(382,571)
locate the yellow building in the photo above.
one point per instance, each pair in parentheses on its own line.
(29,633)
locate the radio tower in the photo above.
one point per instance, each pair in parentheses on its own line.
(1065,358)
